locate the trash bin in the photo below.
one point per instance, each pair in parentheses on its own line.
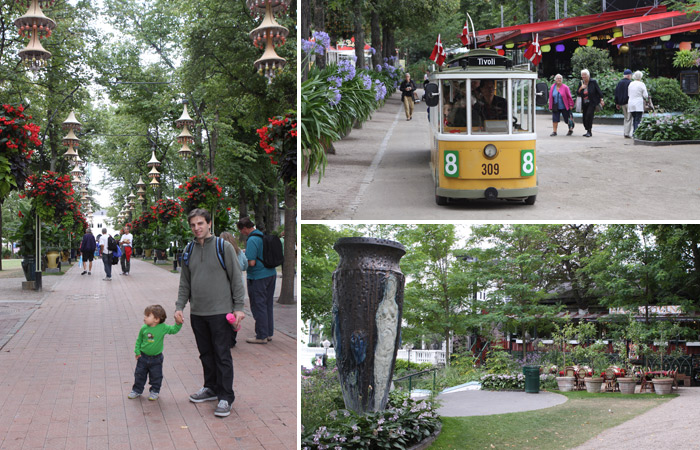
(532,379)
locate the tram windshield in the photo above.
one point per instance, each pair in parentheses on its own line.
(484,105)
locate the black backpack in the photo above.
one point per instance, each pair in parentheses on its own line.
(219,253)
(111,244)
(273,252)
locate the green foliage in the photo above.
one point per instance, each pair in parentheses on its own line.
(596,60)
(400,425)
(500,362)
(403,367)
(667,95)
(673,128)
(503,382)
(685,59)
(320,394)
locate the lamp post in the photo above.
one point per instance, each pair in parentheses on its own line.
(408,347)
(326,343)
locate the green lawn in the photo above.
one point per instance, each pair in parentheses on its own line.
(9,264)
(567,425)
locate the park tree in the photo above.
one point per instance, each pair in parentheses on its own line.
(518,260)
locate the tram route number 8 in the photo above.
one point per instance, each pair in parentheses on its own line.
(451,163)
(527,163)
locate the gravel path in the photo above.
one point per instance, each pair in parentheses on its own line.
(673,425)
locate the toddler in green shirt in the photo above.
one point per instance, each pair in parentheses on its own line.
(149,351)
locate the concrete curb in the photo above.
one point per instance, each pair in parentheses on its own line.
(662,143)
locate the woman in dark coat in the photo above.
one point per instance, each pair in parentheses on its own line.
(591,96)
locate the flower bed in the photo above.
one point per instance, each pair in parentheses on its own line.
(668,129)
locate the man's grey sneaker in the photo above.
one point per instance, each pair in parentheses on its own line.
(203,395)
(153,396)
(223,409)
(107,279)
(133,394)
(256,341)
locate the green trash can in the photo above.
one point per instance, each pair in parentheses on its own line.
(532,379)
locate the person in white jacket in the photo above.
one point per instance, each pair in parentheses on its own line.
(637,92)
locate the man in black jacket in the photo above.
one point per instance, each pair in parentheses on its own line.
(87,250)
(621,99)
(591,96)
(408,88)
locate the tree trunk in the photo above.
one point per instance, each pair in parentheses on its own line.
(260,219)
(290,239)
(274,212)
(52,146)
(359,36)
(389,44)
(213,144)
(305,33)
(2,200)
(319,24)
(242,204)
(524,329)
(376,40)
(541,12)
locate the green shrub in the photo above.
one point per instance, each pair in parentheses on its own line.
(685,59)
(503,382)
(666,94)
(500,362)
(676,128)
(403,423)
(320,394)
(596,60)
(403,367)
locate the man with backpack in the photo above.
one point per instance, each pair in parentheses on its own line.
(211,282)
(107,246)
(261,278)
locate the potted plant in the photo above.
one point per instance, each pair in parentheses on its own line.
(560,336)
(24,235)
(662,386)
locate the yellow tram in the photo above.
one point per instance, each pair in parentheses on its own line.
(482,129)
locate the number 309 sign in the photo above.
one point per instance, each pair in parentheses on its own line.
(527,163)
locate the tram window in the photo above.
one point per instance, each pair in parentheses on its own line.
(522,107)
(454,106)
(490,107)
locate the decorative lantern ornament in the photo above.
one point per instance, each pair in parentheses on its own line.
(271,33)
(589,43)
(624,48)
(546,48)
(140,184)
(71,140)
(34,25)
(153,162)
(685,45)
(582,42)
(185,138)
(665,37)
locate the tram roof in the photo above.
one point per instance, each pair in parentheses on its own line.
(484,62)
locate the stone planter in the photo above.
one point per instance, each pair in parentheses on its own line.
(593,384)
(367,306)
(29,268)
(147,252)
(662,386)
(627,385)
(566,384)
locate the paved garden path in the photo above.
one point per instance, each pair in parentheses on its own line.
(66,371)
(672,425)
(485,403)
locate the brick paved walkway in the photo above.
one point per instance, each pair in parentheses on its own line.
(65,374)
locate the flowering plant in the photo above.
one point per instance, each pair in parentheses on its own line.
(165,210)
(16,135)
(203,191)
(401,425)
(52,195)
(279,140)
(673,128)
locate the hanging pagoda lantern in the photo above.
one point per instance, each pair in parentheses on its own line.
(270,33)
(77,171)
(75,182)
(34,25)
(185,138)
(153,162)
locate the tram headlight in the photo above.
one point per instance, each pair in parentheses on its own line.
(490,151)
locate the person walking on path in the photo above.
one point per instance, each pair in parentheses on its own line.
(408,88)
(126,241)
(212,293)
(621,100)
(261,284)
(242,263)
(591,97)
(560,103)
(87,250)
(106,254)
(149,351)
(638,95)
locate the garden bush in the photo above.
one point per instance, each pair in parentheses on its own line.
(503,382)
(674,128)
(596,60)
(403,423)
(666,94)
(500,362)
(403,367)
(320,395)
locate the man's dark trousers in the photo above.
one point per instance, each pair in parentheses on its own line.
(261,293)
(213,336)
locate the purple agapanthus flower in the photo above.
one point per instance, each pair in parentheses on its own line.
(380,90)
(336,80)
(378,68)
(322,38)
(336,96)
(346,69)
(372,50)
(366,81)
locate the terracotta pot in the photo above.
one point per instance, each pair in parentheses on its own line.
(593,384)
(627,385)
(566,384)
(662,386)
(367,306)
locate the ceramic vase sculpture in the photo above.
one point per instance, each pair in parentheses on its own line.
(367,306)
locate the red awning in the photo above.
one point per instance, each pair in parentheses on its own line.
(551,28)
(683,28)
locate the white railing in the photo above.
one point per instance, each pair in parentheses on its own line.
(435,357)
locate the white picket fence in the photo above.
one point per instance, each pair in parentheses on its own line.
(435,357)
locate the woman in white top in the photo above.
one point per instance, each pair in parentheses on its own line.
(637,92)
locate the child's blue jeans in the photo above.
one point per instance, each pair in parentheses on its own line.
(151,367)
